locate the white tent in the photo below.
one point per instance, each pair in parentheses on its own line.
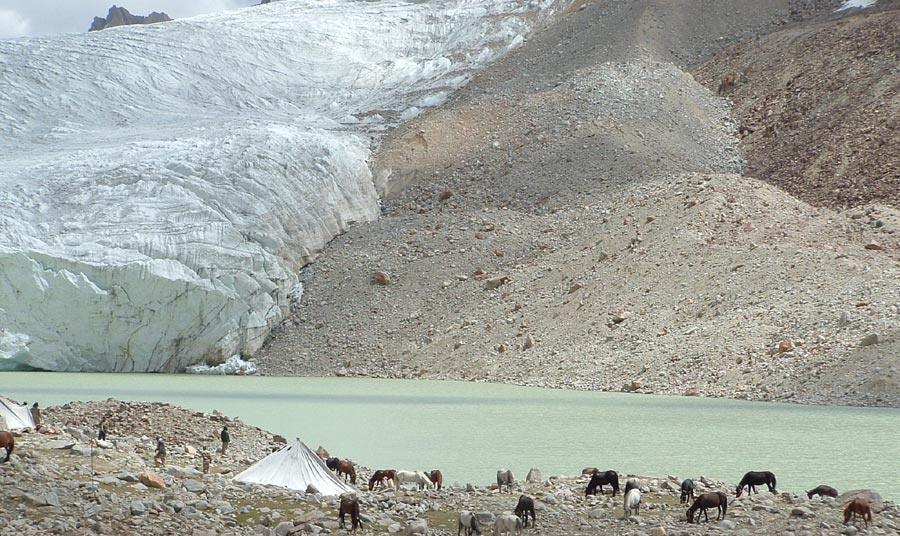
(13,416)
(295,466)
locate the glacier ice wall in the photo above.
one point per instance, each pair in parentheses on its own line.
(161,185)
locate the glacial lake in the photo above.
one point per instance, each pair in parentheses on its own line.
(469,430)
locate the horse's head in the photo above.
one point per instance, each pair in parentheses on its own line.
(690,515)
(738,491)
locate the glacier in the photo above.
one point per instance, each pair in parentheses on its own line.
(162,185)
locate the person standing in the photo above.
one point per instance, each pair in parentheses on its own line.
(160,458)
(101,435)
(226,438)
(36,416)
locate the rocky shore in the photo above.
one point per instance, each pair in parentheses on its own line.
(59,484)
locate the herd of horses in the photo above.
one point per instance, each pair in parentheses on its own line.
(507,524)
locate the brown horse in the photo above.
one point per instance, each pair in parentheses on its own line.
(350,505)
(437,478)
(858,507)
(8,442)
(380,475)
(345,469)
(708,500)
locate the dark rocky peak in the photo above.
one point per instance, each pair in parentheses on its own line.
(119,16)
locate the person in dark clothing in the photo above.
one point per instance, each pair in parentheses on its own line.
(36,416)
(226,438)
(104,428)
(160,458)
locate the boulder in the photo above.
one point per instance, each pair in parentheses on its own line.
(152,480)
(381,278)
(870,495)
(534,475)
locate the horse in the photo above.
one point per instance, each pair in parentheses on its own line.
(468,521)
(350,505)
(331,463)
(824,491)
(379,476)
(632,503)
(753,479)
(708,500)
(525,506)
(630,484)
(418,478)
(860,507)
(507,523)
(8,442)
(437,478)
(505,476)
(597,481)
(687,490)
(345,469)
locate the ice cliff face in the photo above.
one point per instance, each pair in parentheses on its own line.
(161,185)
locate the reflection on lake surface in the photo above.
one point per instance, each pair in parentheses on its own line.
(469,430)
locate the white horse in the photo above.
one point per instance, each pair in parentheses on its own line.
(632,502)
(506,524)
(468,521)
(505,476)
(418,478)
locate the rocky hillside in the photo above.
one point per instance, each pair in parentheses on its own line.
(819,106)
(580,216)
(119,16)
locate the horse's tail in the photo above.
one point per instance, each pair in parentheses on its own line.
(724,503)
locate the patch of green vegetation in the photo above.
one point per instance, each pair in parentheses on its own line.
(289,508)
(441,519)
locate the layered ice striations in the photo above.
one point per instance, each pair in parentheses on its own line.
(161,185)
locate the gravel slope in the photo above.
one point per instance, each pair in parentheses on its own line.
(592,186)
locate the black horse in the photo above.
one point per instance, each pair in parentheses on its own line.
(332,463)
(824,491)
(350,506)
(598,479)
(525,506)
(753,479)
(687,490)
(708,500)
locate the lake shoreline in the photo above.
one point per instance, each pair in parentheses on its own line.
(51,492)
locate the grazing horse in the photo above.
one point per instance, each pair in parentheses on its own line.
(418,478)
(331,463)
(437,478)
(708,500)
(468,521)
(505,476)
(632,503)
(597,481)
(345,469)
(379,477)
(8,442)
(687,490)
(630,484)
(525,507)
(824,491)
(507,524)
(350,505)
(753,479)
(860,507)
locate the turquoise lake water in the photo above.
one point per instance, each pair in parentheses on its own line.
(469,430)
